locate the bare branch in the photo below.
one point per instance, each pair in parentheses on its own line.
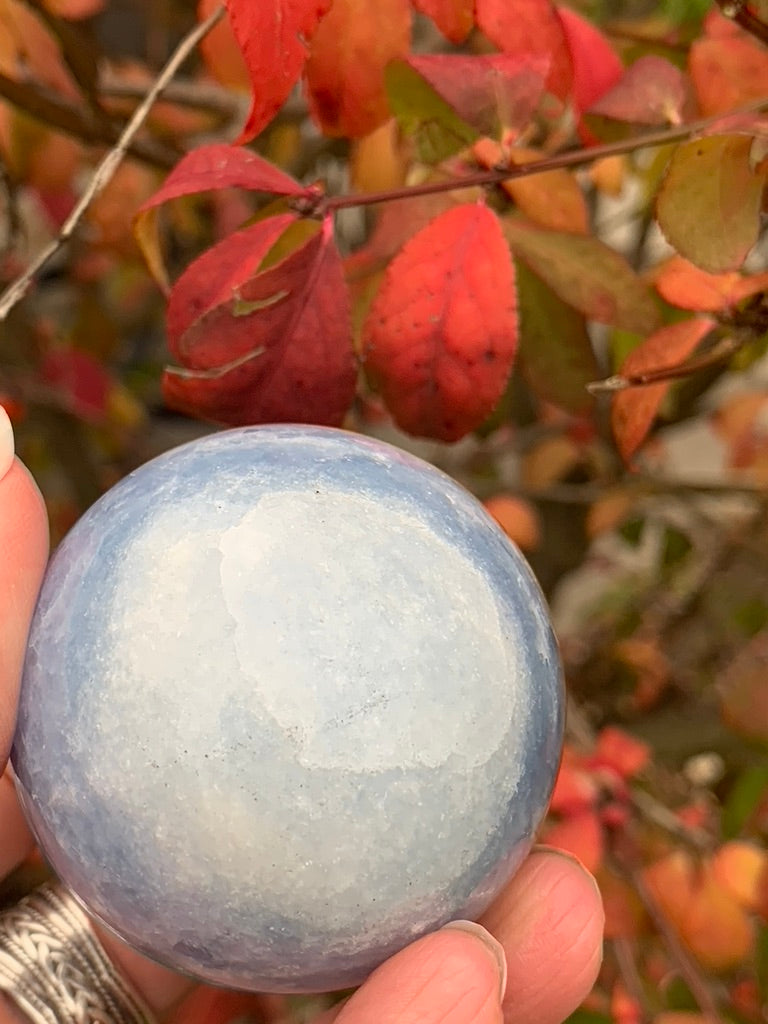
(56,112)
(205,96)
(106,169)
(571,158)
(723,350)
(738,11)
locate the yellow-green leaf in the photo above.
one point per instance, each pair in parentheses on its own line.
(709,203)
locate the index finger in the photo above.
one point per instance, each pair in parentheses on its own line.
(23,554)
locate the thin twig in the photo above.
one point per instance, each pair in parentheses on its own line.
(106,169)
(572,158)
(685,964)
(204,96)
(738,11)
(724,349)
(626,960)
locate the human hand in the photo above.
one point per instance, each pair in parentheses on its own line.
(547,923)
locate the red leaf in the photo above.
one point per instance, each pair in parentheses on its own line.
(652,91)
(454,18)
(529,27)
(294,336)
(440,337)
(634,409)
(214,281)
(345,70)
(487,89)
(221,166)
(81,382)
(621,752)
(396,222)
(580,835)
(575,788)
(273,36)
(685,285)
(596,65)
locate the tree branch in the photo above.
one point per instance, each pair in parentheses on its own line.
(61,114)
(204,96)
(106,169)
(738,11)
(572,158)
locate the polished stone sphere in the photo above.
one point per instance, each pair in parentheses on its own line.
(291,700)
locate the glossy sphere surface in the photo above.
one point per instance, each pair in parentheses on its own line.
(291,699)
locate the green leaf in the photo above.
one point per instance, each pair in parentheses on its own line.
(709,203)
(421,113)
(586,274)
(675,547)
(742,801)
(588,1017)
(554,348)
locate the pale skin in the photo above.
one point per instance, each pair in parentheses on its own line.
(533,960)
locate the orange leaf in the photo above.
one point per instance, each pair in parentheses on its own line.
(685,285)
(742,869)
(672,881)
(378,161)
(518,518)
(717,930)
(580,834)
(440,337)
(273,36)
(345,71)
(454,18)
(634,410)
(552,199)
(529,27)
(727,72)
(74,9)
(220,51)
(27,50)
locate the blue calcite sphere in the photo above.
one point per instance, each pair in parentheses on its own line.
(291,700)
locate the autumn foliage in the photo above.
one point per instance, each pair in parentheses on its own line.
(523,238)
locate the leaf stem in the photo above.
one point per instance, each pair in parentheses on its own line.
(108,166)
(572,158)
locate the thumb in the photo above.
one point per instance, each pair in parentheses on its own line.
(454,976)
(23,553)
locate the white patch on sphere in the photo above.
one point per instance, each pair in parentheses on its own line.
(319,612)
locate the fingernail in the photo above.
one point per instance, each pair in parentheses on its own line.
(493,946)
(571,857)
(6,443)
